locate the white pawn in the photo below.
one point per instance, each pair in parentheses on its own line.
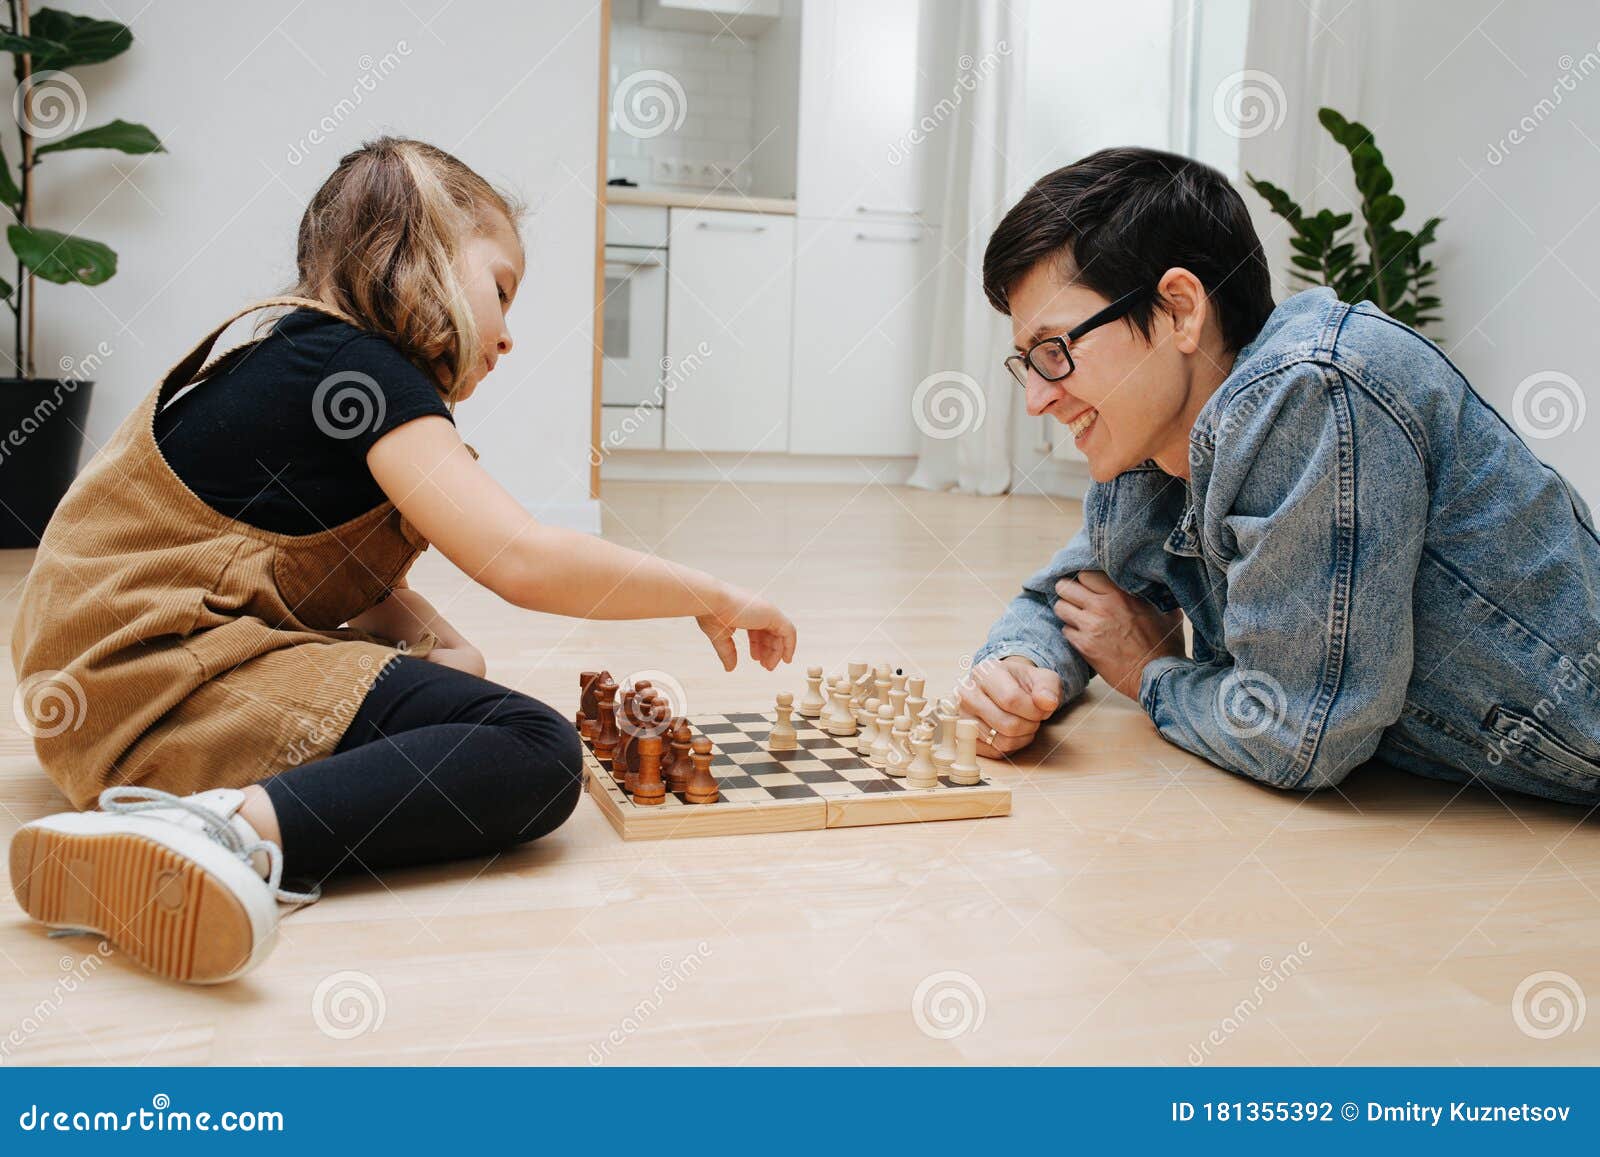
(867,717)
(921,773)
(898,757)
(840,721)
(811,703)
(883,744)
(944,752)
(965,769)
(783,737)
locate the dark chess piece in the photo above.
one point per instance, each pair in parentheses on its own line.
(702,784)
(649,789)
(606,735)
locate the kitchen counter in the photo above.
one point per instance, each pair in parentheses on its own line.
(697,199)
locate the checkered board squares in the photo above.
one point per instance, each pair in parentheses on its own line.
(821,784)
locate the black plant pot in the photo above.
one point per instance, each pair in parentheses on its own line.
(41,434)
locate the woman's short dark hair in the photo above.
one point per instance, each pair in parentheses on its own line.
(1120,218)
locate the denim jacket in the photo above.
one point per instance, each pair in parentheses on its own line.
(1373,564)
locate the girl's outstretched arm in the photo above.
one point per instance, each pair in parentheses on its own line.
(427,472)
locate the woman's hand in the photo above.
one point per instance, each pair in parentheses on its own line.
(1010,698)
(772,635)
(1115,632)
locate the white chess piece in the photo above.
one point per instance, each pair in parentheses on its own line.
(883,744)
(857,671)
(783,736)
(811,704)
(965,769)
(899,755)
(944,752)
(880,682)
(921,773)
(867,717)
(840,721)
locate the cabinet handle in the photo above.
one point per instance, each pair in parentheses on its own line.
(731,228)
(890,212)
(911,240)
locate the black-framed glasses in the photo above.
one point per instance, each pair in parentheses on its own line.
(1051,358)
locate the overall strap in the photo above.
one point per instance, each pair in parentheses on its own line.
(189,367)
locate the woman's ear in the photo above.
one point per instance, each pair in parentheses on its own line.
(1184,298)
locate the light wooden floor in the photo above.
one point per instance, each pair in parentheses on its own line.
(1137,902)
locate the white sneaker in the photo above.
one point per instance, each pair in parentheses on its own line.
(184,885)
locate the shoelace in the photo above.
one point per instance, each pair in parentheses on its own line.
(131,800)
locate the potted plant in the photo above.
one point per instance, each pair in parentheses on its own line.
(42,419)
(1392,273)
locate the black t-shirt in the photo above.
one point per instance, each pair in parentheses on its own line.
(279,439)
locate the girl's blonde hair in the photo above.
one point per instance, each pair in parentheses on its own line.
(379,241)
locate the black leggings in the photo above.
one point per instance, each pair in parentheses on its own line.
(436,765)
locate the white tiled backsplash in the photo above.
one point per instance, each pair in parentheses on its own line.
(709,83)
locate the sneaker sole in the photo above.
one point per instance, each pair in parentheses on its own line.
(155,904)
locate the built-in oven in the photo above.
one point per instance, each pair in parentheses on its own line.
(634,340)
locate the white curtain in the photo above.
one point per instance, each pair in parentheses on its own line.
(1299,57)
(966,397)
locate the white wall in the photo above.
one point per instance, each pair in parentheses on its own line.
(1446,86)
(236,92)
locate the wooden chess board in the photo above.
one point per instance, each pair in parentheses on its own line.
(821,784)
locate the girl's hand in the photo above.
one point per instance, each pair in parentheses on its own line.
(1115,632)
(463,657)
(772,635)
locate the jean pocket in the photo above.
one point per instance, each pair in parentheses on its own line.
(1538,750)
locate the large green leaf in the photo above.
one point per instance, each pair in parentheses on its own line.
(60,257)
(11,42)
(82,40)
(8,186)
(119,134)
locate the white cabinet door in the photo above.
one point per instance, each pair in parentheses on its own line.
(859,337)
(729,323)
(858,98)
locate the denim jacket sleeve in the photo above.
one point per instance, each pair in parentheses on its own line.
(1029,626)
(1316,507)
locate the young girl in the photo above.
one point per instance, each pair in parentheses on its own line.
(217,641)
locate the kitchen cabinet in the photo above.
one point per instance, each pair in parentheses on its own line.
(729,327)
(858,326)
(859,88)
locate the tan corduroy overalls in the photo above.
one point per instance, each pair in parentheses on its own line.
(162,643)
